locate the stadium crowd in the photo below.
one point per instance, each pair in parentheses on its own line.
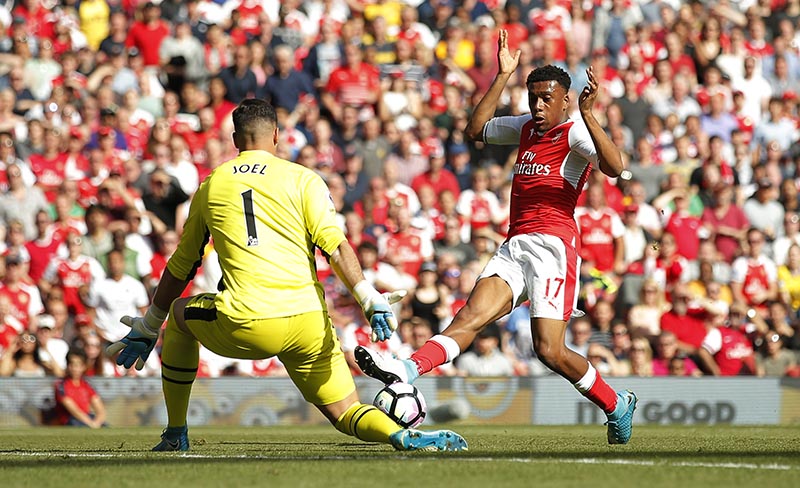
(112,112)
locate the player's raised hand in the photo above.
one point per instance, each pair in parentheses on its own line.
(506,62)
(136,346)
(589,93)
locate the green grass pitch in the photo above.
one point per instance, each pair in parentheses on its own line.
(529,456)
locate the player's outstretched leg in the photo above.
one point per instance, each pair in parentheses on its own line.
(620,421)
(420,440)
(383,368)
(173,439)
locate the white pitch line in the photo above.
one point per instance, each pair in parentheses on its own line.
(629,462)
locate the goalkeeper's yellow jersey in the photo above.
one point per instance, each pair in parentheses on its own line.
(265,216)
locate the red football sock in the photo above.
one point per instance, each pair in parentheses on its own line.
(430,355)
(602,395)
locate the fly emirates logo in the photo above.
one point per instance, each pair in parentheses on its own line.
(528,167)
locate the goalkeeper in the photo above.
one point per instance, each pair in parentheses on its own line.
(265,216)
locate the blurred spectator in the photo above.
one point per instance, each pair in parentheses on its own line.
(685,228)
(602,231)
(641,358)
(97,363)
(21,358)
(580,330)
(148,33)
(717,121)
(631,105)
(479,206)
(400,101)
(21,202)
(789,280)
(73,274)
(163,198)
(726,350)
(24,299)
(77,403)
(726,222)
(791,236)
(181,56)
(666,352)
(98,240)
(685,319)
(755,278)
(485,358)
(778,128)
(399,192)
(52,349)
(116,296)
(117,30)
(764,211)
(240,81)
(353,83)
(411,158)
(757,90)
(287,87)
(382,275)
(452,243)
(602,316)
(405,246)
(773,359)
(635,238)
(663,263)
(605,362)
(94,20)
(430,299)
(620,340)
(644,318)
(680,103)
(611,22)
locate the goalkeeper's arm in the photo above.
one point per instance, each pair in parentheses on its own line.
(376,306)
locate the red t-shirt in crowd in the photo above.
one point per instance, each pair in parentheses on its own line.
(689,328)
(80,392)
(42,252)
(148,40)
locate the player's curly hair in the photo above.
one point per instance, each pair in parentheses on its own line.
(550,73)
(251,113)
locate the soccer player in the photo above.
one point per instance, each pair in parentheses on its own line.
(266,216)
(539,260)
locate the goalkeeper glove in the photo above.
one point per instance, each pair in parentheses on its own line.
(140,341)
(378,309)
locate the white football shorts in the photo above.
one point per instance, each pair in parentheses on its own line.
(539,267)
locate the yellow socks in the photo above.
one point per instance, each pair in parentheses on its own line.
(180,355)
(367,423)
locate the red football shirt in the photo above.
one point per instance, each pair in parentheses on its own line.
(549,174)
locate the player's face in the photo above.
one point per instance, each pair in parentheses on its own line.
(548,102)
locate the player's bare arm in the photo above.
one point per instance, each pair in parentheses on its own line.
(506,65)
(346,266)
(169,289)
(609,159)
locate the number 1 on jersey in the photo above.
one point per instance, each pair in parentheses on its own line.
(249,218)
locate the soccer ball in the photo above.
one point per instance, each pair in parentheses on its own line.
(403,403)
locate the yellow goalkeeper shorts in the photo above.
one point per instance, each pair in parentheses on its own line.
(306,344)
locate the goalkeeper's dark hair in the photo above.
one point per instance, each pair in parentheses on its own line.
(253,115)
(550,73)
